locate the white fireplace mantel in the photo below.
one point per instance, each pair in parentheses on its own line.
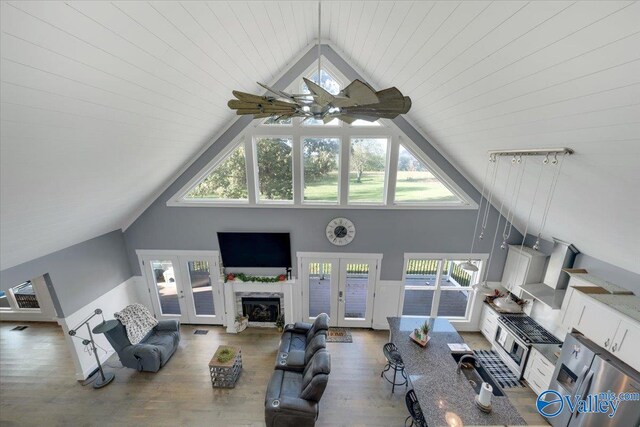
(231,288)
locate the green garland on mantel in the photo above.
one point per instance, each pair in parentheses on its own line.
(247,278)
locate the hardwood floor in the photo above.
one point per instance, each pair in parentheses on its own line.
(37,385)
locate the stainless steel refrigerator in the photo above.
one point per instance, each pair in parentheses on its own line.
(585,368)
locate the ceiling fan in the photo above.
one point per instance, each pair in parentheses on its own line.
(357,101)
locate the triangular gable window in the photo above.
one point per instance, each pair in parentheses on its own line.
(416,184)
(305,163)
(227,180)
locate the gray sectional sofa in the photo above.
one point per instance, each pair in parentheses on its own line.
(300,376)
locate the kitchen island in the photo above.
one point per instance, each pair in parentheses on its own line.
(446,398)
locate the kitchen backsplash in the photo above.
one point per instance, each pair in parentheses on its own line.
(550,319)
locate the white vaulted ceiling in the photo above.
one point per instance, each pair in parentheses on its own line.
(103,103)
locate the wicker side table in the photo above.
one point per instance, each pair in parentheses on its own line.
(225,375)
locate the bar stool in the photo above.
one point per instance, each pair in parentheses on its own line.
(415,412)
(394,361)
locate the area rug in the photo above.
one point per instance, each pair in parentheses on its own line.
(339,335)
(491,362)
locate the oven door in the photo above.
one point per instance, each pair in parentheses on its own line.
(512,351)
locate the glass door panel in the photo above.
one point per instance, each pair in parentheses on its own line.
(164,282)
(203,293)
(319,288)
(355,297)
(200,280)
(356,287)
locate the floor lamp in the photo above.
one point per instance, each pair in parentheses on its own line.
(104,379)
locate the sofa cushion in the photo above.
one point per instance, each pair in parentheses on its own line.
(321,324)
(315,376)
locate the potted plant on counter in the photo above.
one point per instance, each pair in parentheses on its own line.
(280,322)
(420,335)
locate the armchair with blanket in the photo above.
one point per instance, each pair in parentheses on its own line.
(141,341)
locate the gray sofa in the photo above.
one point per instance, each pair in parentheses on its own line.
(297,360)
(297,336)
(153,352)
(292,398)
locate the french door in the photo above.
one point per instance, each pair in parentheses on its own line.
(184,285)
(342,287)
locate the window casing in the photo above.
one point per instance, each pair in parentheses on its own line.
(298,131)
(435,285)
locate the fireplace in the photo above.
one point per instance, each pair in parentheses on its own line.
(261,309)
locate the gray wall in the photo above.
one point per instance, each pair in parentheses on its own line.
(606,271)
(390,232)
(78,274)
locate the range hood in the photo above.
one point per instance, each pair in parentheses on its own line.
(551,291)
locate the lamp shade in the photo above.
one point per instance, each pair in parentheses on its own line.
(469,266)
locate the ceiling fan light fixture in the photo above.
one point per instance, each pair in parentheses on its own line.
(357,101)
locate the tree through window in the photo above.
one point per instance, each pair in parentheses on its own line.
(275,168)
(227,181)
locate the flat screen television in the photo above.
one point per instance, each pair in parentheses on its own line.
(255,249)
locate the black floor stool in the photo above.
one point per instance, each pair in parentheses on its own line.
(394,361)
(415,412)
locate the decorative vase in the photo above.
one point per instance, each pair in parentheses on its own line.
(241,325)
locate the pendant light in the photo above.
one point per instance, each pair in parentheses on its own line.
(468,265)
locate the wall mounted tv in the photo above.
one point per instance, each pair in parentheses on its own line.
(255,249)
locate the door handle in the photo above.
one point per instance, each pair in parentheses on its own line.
(607,342)
(614,348)
(340,294)
(587,386)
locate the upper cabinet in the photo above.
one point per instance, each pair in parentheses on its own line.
(524,265)
(595,314)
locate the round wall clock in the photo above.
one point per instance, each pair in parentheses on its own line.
(340,231)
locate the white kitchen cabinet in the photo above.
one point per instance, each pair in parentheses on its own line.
(538,372)
(598,322)
(626,343)
(524,265)
(603,325)
(488,323)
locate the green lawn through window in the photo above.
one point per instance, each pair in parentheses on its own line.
(412,186)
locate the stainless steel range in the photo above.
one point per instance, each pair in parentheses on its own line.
(514,337)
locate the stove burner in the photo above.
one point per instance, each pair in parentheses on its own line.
(528,330)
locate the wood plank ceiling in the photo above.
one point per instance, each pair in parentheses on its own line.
(103,102)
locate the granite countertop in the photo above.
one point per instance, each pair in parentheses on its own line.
(628,305)
(548,351)
(594,280)
(446,398)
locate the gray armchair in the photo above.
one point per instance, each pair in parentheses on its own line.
(152,352)
(292,398)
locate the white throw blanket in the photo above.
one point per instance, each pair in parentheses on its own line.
(137,320)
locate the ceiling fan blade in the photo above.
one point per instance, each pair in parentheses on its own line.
(357,93)
(279,93)
(248,97)
(323,98)
(346,119)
